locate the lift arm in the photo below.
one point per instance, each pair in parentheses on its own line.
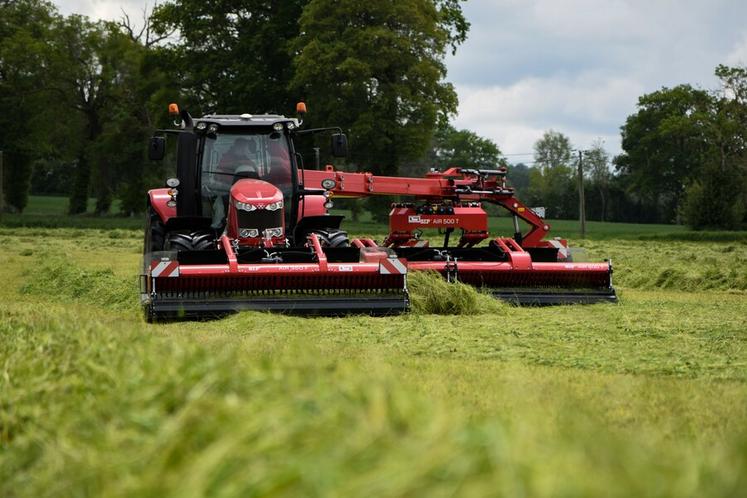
(456,184)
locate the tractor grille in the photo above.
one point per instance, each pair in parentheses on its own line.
(259,219)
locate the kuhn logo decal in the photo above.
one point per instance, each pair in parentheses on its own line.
(417,219)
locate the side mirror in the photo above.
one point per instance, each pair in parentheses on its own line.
(339,145)
(156,148)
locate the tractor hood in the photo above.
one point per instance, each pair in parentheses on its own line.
(256,194)
(256,216)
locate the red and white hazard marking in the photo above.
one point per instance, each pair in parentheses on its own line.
(563,250)
(392,267)
(164,268)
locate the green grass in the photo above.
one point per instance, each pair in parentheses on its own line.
(57,205)
(463,397)
(51,212)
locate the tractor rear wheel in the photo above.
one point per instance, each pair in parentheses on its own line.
(190,241)
(149,314)
(333,238)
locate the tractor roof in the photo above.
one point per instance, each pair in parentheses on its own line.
(243,120)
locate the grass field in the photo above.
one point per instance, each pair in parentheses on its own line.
(51,212)
(644,398)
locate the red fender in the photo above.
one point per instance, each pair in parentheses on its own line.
(312,205)
(158,198)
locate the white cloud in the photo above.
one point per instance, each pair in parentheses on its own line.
(579,66)
(583,107)
(738,55)
(106,9)
(590,19)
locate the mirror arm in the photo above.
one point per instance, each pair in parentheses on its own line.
(317,130)
(171,132)
(312,191)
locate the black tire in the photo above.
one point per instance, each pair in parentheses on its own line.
(333,238)
(155,232)
(149,314)
(190,241)
(203,241)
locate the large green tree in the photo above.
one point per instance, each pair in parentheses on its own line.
(464,148)
(231,57)
(25,113)
(596,162)
(716,196)
(684,152)
(97,73)
(377,69)
(84,80)
(551,181)
(552,150)
(664,146)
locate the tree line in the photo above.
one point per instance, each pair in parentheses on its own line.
(78,99)
(683,160)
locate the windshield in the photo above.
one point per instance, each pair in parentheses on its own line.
(228,158)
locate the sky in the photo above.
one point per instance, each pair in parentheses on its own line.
(575,66)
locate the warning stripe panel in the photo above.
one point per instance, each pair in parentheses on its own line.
(560,247)
(393,266)
(164,268)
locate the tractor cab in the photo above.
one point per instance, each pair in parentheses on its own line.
(238,175)
(229,158)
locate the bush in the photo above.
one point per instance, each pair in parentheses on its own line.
(715,200)
(81,181)
(17,179)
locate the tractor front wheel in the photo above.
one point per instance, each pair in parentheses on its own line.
(155,233)
(332,238)
(190,241)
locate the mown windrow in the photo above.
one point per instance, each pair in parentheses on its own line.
(62,279)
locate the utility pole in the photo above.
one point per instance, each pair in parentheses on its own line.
(581,200)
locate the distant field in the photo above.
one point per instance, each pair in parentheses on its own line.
(644,398)
(57,206)
(568,229)
(51,212)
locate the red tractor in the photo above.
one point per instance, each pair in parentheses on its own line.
(245,226)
